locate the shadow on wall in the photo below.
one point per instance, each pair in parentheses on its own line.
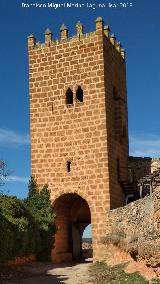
(141,166)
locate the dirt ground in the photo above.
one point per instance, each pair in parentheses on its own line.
(75,273)
(48,273)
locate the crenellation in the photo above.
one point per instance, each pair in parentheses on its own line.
(64,33)
(31,42)
(77,40)
(107,31)
(99,25)
(118,46)
(112,39)
(79,30)
(48,37)
(123,53)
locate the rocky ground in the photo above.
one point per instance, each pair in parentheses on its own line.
(101,273)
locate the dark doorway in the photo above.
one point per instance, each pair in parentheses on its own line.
(73,215)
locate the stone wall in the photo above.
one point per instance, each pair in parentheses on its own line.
(76,146)
(155,164)
(135,228)
(143,166)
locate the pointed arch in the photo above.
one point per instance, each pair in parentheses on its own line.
(79,94)
(69,97)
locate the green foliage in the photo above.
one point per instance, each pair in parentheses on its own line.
(32,187)
(19,234)
(26,227)
(39,205)
(3,175)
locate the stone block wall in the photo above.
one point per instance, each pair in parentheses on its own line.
(143,166)
(117,120)
(88,135)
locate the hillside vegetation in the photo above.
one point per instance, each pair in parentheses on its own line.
(27,227)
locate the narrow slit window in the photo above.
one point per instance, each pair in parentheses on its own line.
(115,95)
(79,94)
(68,166)
(69,97)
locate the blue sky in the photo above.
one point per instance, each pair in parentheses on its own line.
(137,27)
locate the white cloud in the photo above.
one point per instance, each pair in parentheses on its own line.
(144,145)
(10,137)
(17,179)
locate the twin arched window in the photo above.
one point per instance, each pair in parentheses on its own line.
(69,95)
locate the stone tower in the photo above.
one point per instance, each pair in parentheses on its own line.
(79,131)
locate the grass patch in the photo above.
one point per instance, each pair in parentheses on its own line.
(103,274)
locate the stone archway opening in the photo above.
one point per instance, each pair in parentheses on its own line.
(87,251)
(73,216)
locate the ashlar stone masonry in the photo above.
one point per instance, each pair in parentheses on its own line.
(79,130)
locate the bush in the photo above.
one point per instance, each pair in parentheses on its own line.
(26,227)
(20,234)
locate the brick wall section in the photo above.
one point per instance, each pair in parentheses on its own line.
(82,133)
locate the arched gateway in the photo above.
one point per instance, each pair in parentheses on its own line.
(73,216)
(78,114)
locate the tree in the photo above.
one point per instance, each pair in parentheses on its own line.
(20,234)
(39,204)
(32,187)
(3,174)
(3,171)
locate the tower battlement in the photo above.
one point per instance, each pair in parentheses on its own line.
(80,35)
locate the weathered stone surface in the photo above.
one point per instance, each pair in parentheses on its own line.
(155,165)
(135,228)
(149,250)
